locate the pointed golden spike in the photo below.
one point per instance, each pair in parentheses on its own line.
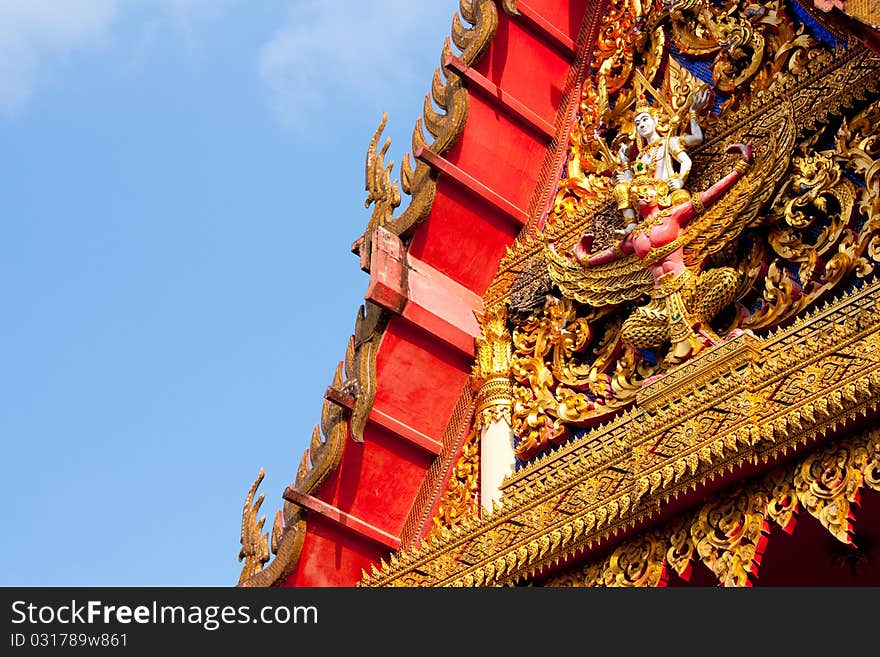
(466,9)
(277,532)
(338,377)
(461,35)
(418,138)
(433,119)
(438,90)
(317,441)
(406,175)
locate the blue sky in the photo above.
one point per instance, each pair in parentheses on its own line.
(180,184)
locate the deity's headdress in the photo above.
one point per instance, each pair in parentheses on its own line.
(642,105)
(642,89)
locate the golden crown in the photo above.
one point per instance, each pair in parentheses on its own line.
(642,105)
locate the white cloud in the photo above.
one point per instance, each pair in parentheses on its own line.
(359,48)
(186,15)
(34,34)
(323,52)
(32,31)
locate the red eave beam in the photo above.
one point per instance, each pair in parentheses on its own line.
(397,427)
(341,518)
(500,98)
(439,163)
(546,30)
(414,290)
(384,420)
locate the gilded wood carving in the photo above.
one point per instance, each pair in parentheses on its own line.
(609,429)
(802,222)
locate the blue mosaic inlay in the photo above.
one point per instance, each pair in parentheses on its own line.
(813,27)
(702,71)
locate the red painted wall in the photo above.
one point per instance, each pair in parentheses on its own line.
(565,16)
(499,153)
(526,67)
(419,376)
(462,238)
(332,556)
(378,479)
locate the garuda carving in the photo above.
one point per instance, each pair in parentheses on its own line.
(694,208)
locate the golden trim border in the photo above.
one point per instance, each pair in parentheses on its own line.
(617,477)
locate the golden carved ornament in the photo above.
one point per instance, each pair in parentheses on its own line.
(751,44)
(796,230)
(613,52)
(680,553)
(782,505)
(563,377)
(491,371)
(730,536)
(382,194)
(254,545)
(827,484)
(509,7)
(639,563)
(871,470)
(728,533)
(858,145)
(497,396)
(575,498)
(460,500)
(494,347)
(819,224)
(589,160)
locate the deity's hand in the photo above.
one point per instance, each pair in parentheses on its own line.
(621,233)
(583,247)
(701,99)
(623,176)
(675,182)
(623,153)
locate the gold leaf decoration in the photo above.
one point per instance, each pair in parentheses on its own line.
(254,544)
(460,500)
(827,485)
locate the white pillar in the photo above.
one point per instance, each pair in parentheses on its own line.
(491,379)
(497,459)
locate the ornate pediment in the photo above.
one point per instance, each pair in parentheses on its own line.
(799,225)
(649,364)
(754,404)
